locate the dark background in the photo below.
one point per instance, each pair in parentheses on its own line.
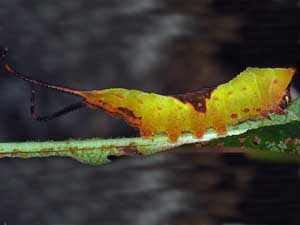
(162,46)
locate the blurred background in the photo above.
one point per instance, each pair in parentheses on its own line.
(161,46)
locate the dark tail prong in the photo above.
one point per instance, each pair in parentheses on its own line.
(13,72)
(9,69)
(65,110)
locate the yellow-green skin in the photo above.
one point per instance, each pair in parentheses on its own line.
(253,92)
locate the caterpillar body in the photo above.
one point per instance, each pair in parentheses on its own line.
(251,95)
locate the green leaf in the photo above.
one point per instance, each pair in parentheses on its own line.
(279,138)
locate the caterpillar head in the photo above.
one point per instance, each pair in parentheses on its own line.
(280,88)
(286,98)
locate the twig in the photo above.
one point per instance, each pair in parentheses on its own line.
(96,151)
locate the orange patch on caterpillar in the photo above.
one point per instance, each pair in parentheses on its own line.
(234,115)
(275,81)
(258,109)
(140,101)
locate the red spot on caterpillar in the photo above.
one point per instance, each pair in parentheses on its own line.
(234,116)
(244,89)
(275,81)
(140,101)
(258,110)
(119,96)
(246,110)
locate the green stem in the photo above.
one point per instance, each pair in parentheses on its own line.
(96,151)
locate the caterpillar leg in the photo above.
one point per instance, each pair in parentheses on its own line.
(198,124)
(174,126)
(173,134)
(220,126)
(198,129)
(265,115)
(279,110)
(146,130)
(199,133)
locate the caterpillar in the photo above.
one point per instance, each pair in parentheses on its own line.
(251,95)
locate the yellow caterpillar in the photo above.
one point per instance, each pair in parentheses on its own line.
(251,95)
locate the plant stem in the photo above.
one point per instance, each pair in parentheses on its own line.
(96,151)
